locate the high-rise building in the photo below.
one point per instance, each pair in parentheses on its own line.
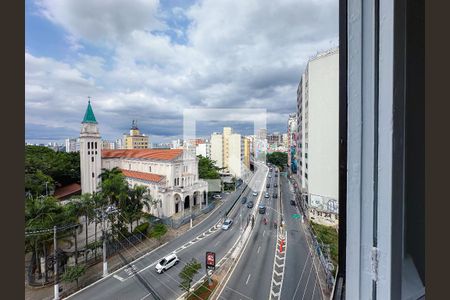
(247,151)
(217,149)
(228,150)
(317,144)
(90,152)
(292,142)
(262,133)
(203,149)
(136,140)
(72,145)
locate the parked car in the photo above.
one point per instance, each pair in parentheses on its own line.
(270,176)
(275,195)
(293,202)
(276,174)
(266,195)
(250,204)
(268,185)
(227,224)
(217,196)
(262,208)
(275,184)
(166,263)
(255,193)
(244,200)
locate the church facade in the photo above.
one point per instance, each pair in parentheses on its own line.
(170,175)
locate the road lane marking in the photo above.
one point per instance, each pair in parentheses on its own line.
(301,275)
(119,278)
(306,286)
(264,232)
(259,248)
(248,278)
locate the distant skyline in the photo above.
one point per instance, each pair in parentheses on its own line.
(147,60)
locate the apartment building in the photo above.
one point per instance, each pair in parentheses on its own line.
(136,140)
(317,143)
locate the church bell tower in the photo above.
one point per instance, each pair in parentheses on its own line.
(90,152)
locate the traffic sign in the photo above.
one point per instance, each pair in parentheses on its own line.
(296,216)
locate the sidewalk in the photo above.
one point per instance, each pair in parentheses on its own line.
(115,262)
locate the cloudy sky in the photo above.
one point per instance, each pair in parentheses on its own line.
(148,60)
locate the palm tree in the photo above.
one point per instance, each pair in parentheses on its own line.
(87,208)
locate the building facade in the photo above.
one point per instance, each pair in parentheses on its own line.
(291,143)
(171,175)
(72,145)
(317,143)
(90,152)
(203,150)
(136,140)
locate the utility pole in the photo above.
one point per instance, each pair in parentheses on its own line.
(105,263)
(55,265)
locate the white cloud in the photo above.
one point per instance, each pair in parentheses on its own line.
(247,54)
(101,21)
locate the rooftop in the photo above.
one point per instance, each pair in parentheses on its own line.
(152,154)
(143,176)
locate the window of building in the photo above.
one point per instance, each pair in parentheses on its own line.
(129,166)
(95,147)
(150,169)
(89,145)
(92,159)
(93,175)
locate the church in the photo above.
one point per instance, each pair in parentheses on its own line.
(171,175)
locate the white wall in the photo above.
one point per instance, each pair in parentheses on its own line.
(323,126)
(235,154)
(217,149)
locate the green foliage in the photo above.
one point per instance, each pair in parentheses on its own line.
(158,231)
(328,235)
(207,169)
(187,274)
(73,273)
(142,228)
(279,159)
(43,164)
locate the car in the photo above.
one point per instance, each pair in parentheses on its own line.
(275,195)
(268,185)
(266,195)
(276,174)
(166,263)
(227,224)
(255,194)
(293,202)
(275,184)
(244,200)
(271,169)
(250,204)
(270,176)
(217,196)
(262,209)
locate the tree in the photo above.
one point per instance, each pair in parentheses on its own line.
(43,213)
(279,159)
(158,231)
(73,273)
(187,274)
(207,168)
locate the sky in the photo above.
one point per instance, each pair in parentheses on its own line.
(148,60)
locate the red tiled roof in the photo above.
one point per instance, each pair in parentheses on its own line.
(143,176)
(156,154)
(67,190)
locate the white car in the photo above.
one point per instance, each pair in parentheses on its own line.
(227,224)
(166,263)
(266,195)
(255,193)
(217,196)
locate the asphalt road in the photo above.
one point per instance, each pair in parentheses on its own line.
(300,279)
(139,279)
(251,279)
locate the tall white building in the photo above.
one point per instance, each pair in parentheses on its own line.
(90,152)
(203,149)
(72,145)
(317,144)
(217,149)
(228,150)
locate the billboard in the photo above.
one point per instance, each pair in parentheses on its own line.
(210,260)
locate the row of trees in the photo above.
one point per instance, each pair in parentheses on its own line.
(279,159)
(44,212)
(44,168)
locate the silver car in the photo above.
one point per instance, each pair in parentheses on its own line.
(227,224)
